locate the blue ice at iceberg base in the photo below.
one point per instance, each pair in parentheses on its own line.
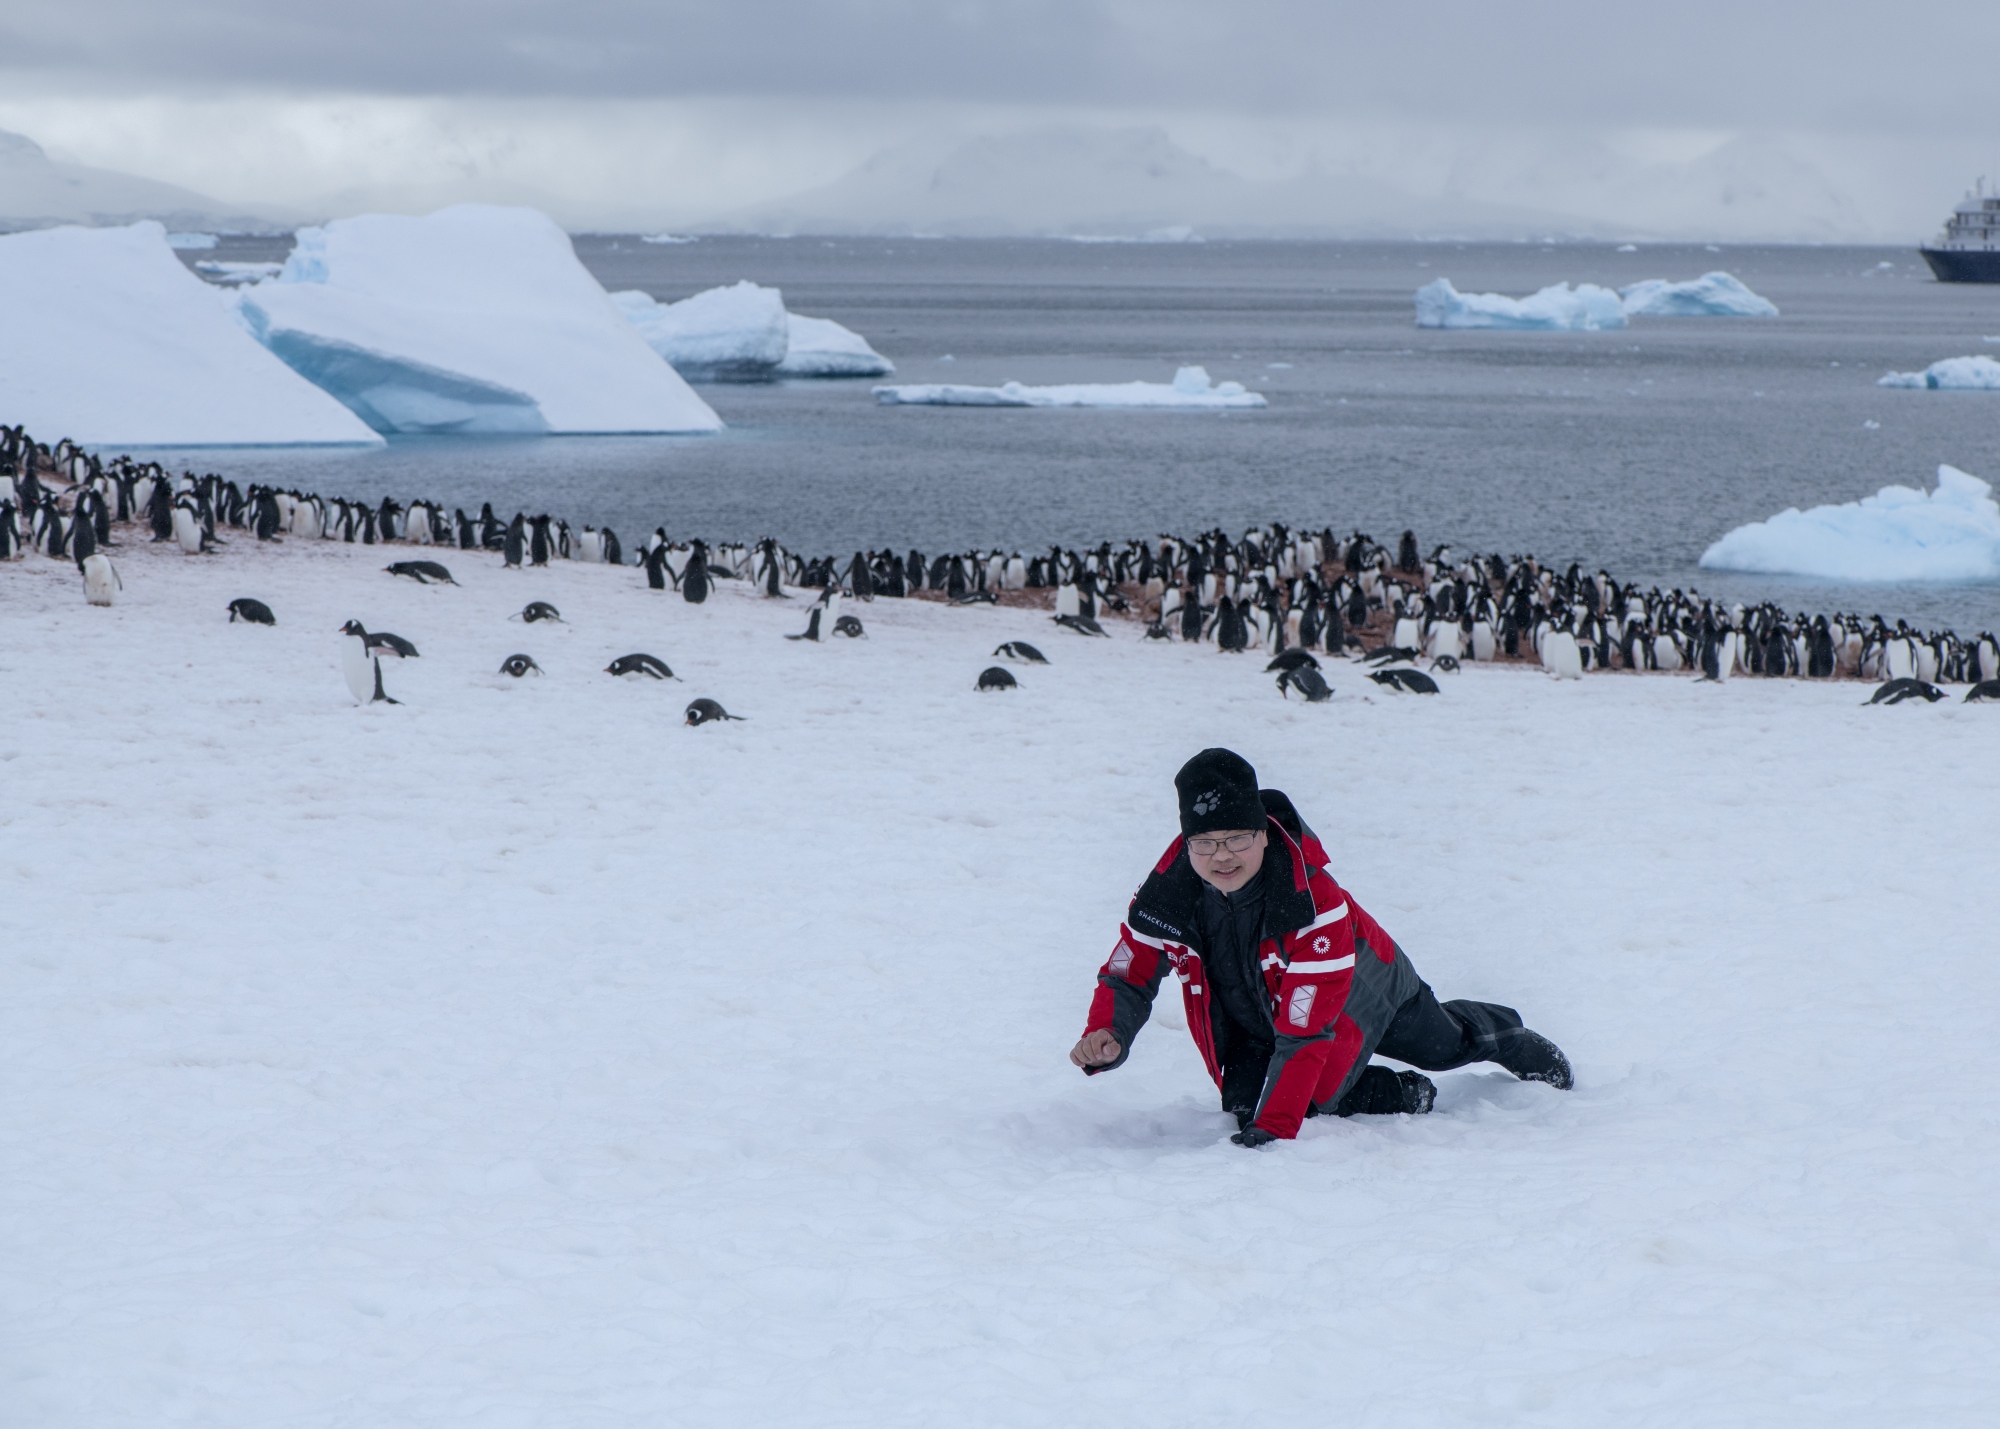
(1898,534)
(1586,308)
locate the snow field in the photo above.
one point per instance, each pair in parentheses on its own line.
(519,1056)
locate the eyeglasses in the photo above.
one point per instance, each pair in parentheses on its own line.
(1206,848)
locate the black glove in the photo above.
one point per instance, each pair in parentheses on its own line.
(1254,1137)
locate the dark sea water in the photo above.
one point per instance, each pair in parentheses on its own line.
(1629,450)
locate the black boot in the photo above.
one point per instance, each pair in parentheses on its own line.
(1381,1092)
(1533,1058)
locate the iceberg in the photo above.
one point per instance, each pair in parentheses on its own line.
(737,332)
(223,271)
(1954,374)
(474,319)
(1587,308)
(1715,294)
(1189,389)
(821,347)
(743,332)
(1898,534)
(117,344)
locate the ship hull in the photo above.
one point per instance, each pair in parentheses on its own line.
(1963,265)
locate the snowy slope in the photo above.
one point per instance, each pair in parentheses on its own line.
(518,1056)
(474,319)
(115,343)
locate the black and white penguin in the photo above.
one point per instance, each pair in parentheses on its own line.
(540,547)
(1894,692)
(1081,624)
(1292,659)
(1307,680)
(850,626)
(361,663)
(1232,631)
(1416,682)
(1024,652)
(514,546)
(380,642)
(100,579)
(519,665)
(1983,691)
(422,572)
(254,612)
(695,579)
(811,632)
(993,677)
(538,610)
(705,711)
(640,665)
(1446,663)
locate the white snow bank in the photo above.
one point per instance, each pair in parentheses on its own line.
(1954,374)
(738,331)
(821,347)
(474,319)
(744,331)
(113,342)
(517,1056)
(1189,389)
(1898,534)
(1586,308)
(1715,294)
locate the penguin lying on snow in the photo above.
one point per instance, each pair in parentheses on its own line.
(1307,680)
(850,626)
(381,642)
(984,597)
(1415,681)
(253,611)
(519,665)
(1081,624)
(361,662)
(640,665)
(539,610)
(422,572)
(1983,691)
(995,678)
(705,711)
(1446,663)
(1292,659)
(1383,654)
(1024,652)
(1894,692)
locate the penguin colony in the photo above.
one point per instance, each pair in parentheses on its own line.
(1273,589)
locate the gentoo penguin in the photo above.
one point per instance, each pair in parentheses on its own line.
(704,711)
(1232,631)
(850,626)
(694,576)
(539,610)
(514,546)
(1388,655)
(1560,656)
(422,572)
(253,611)
(1983,691)
(640,665)
(1291,660)
(1308,681)
(1081,624)
(654,559)
(187,527)
(1414,681)
(380,642)
(1067,600)
(995,678)
(519,665)
(811,632)
(1024,652)
(100,579)
(1894,692)
(540,547)
(362,665)
(1446,663)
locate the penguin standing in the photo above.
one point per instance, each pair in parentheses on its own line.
(362,665)
(694,576)
(187,527)
(513,546)
(654,560)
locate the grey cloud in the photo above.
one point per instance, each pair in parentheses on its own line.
(1835,64)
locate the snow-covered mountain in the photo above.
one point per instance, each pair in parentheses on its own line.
(38,192)
(1116,182)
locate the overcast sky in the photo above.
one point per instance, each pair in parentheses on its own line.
(678,106)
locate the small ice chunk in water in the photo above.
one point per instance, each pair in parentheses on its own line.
(1587,308)
(1898,534)
(1954,374)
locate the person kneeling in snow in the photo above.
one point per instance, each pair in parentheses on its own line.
(1290,988)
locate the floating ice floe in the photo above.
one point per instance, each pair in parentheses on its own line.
(1189,389)
(1898,534)
(1711,295)
(117,344)
(191,240)
(224,271)
(1954,374)
(743,332)
(667,238)
(1586,308)
(474,319)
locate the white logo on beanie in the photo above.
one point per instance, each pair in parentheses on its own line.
(1208,803)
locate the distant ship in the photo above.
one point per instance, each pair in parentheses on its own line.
(1968,251)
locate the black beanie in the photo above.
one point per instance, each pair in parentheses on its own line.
(1218,790)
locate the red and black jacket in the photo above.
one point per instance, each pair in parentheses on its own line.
(1315,934)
